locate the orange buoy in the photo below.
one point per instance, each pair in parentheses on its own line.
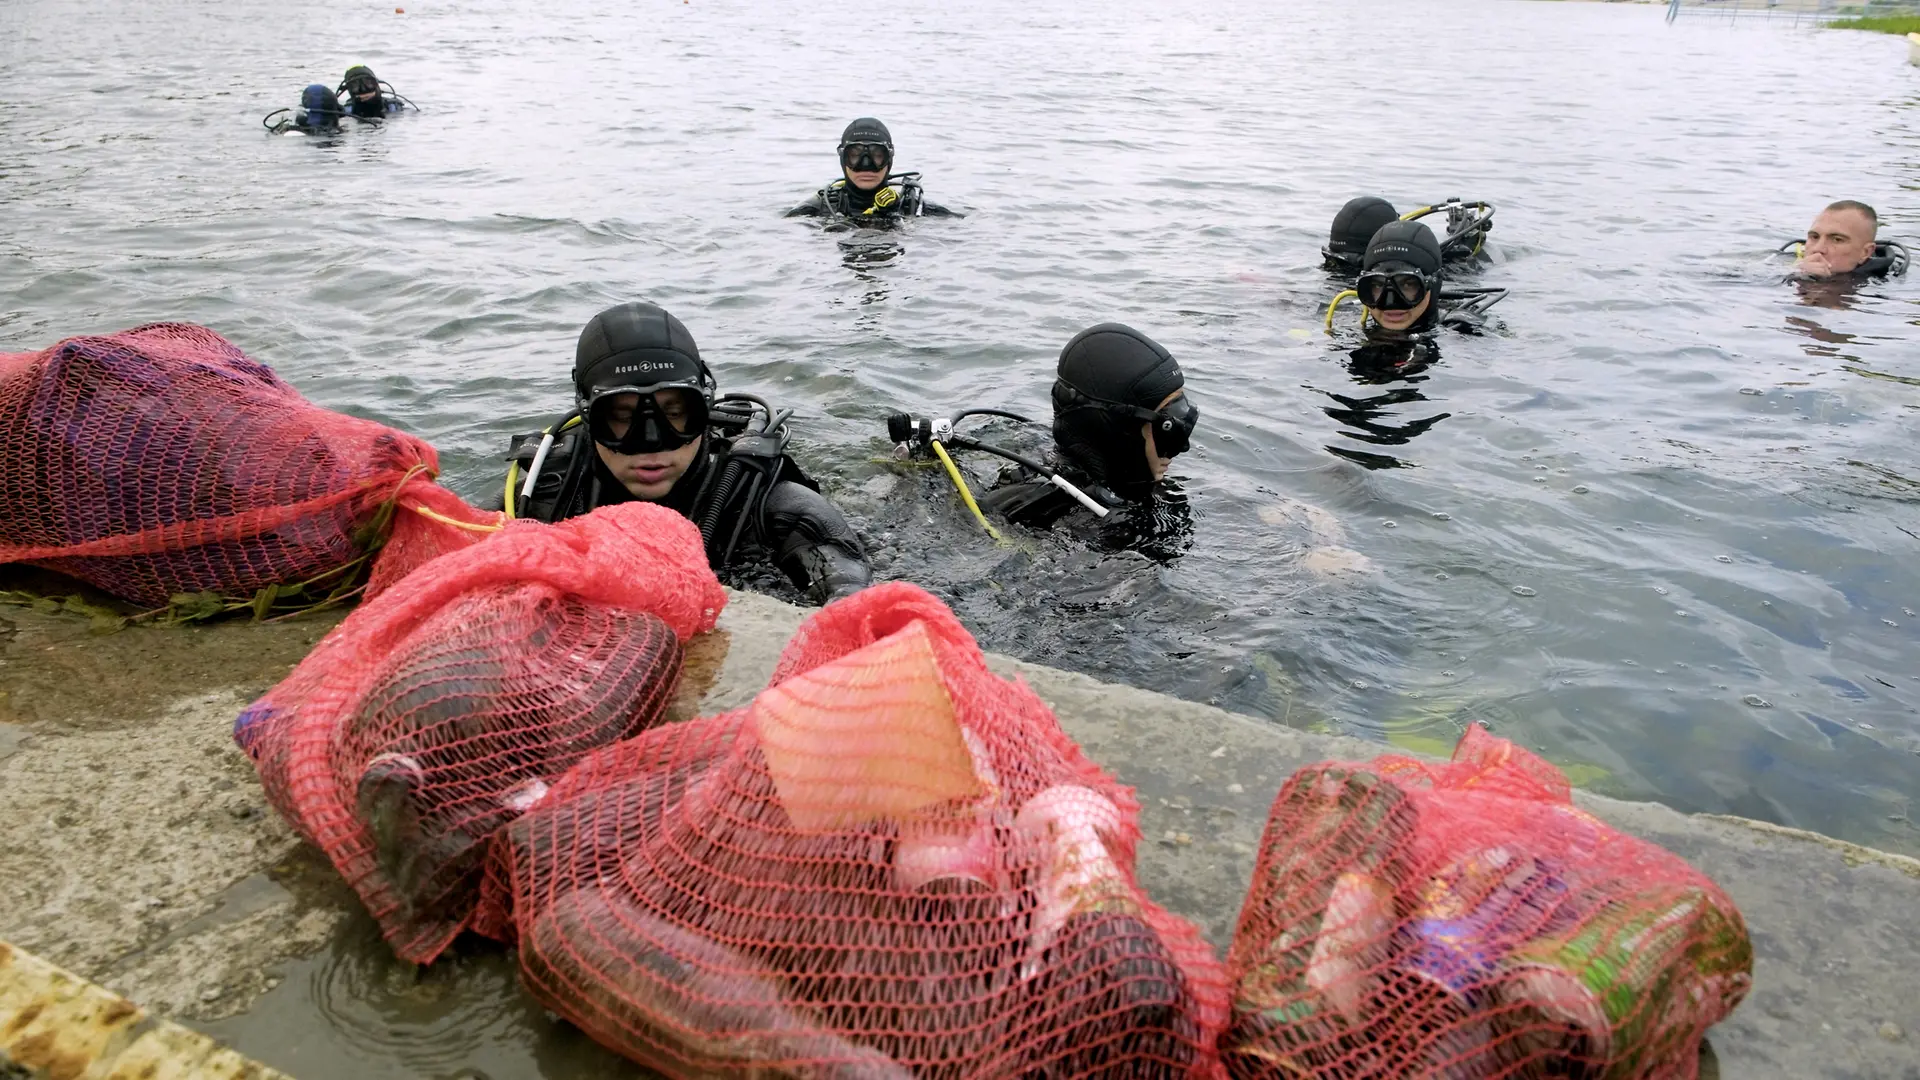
(399,11)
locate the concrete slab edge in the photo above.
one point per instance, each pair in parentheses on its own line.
(55,1025)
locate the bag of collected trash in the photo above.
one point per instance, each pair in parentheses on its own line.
(1465,920)
(161,463)
(893,863)
(442,709)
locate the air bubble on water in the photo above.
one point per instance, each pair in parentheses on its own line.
(1750,391)
(1359,684)
(1446,674)
(1756,701)
(1225,437)
(1631,663)
(1522,590)
(1539,479)
(1659,589)
(1684,614)
(1659,671)
(1889,622)
(1681,664)
(1766,603)
(1908,612)
(1723,558)
(1442,515)
(1389,524)
(1442,576)
(1581,489)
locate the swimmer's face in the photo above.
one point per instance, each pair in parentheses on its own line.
(649,476)
(1401,320)
(1156,464)
(865,164)
(1838,241)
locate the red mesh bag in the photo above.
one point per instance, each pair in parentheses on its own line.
(442,709)
(892,864)
(161,460)
(1466,921)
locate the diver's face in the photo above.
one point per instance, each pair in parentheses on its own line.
(1838,241)
(1156,464)
(649,476)
(865,164)
(1401,320)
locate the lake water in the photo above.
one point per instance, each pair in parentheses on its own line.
(1665,526)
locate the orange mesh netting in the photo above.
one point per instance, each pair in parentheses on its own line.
(1466,921)
(893,863)
(442,709)
(161,460)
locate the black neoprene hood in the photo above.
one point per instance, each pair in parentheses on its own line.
(635,344)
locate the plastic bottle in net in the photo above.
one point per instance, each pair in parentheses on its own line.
(1466,921)
(892,864)
(442,709)
(161,460)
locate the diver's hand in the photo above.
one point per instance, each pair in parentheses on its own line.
(1814,265)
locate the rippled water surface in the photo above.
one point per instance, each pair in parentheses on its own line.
(1661,523)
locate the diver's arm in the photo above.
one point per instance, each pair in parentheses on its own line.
(813,544)
(1031,501)
(813,207)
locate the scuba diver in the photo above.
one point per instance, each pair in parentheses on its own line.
(367,97)
(648,424)
(1841,244)
(1120,416)
(1400,286)
(319,114)
(1467,226)
(866,191)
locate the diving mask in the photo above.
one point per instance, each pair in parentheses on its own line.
(1399,290)
(654,419)
(866,157)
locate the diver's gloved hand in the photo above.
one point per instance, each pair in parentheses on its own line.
(832,574)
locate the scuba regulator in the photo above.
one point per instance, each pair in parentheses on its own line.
(923,437)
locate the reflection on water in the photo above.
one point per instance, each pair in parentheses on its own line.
(1382,419)
(1608,548)
(464,1018)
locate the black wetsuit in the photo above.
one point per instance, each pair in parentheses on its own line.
(1159,526)
(899,197)
(771,510)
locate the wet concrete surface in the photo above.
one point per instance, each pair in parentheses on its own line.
(144,856)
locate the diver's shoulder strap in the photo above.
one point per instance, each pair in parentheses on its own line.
(547,487)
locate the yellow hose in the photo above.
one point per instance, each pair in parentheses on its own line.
(966,496)
(1336,303)
(513,474)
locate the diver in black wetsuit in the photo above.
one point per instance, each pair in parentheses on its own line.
(866,191)
(1120,416)
(1400,287)
(319,114)
(1841,245)
(647,425)
(1467,226)
(366,97)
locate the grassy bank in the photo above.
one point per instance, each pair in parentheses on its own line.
(1885,24)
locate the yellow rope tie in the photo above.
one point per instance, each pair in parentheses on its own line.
(458,524)
(966,496)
